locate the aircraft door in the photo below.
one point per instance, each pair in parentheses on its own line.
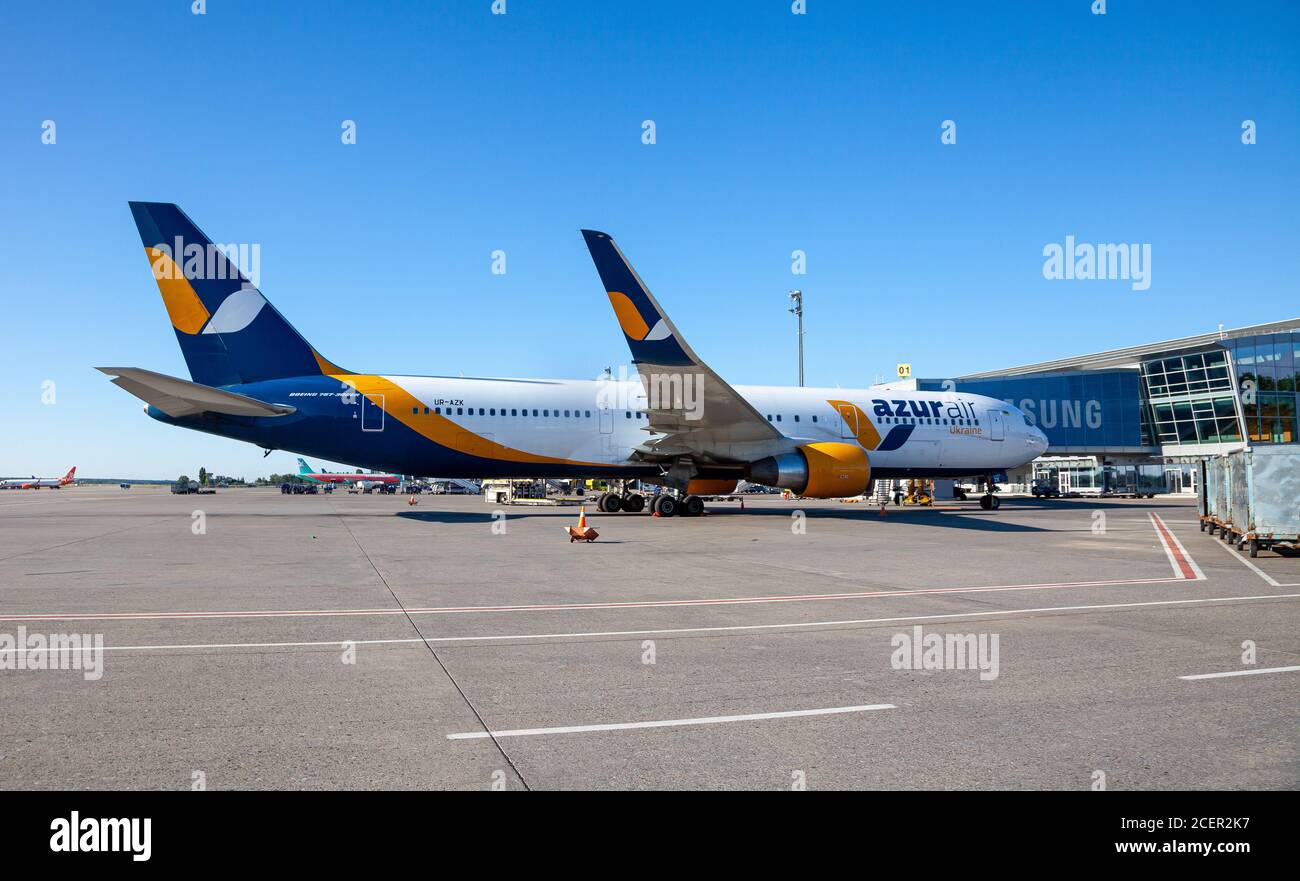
(848,421)
(997,425)
(372,412)
(606,418)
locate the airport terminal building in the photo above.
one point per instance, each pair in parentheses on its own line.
(1147,414)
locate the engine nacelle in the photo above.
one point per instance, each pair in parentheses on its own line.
(818,471)
(698,487)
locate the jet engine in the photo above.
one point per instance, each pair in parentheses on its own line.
(818,471)
(698,487)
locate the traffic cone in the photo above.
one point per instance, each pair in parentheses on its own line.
(582,532)
(882,510)
(412,501)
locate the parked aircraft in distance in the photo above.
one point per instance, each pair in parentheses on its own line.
(254,378)
(40,482)
(364,481)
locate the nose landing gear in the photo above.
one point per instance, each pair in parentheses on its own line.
(988,501)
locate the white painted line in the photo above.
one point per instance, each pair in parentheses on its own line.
(1184,566)
(566,607)
(684,630)
(1258,571)
(667,723)
(1242,673)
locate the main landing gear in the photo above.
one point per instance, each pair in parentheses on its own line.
(670,506)
(665,505)
(612,503)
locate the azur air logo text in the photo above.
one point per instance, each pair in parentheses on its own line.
(922,409)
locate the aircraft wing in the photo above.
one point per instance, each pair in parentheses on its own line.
(179,397)
(694,409)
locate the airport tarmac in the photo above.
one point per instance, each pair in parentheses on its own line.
(345,641)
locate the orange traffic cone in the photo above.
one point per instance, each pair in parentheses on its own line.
(412,501)
(582,532)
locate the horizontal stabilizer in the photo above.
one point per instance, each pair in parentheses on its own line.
(180,397)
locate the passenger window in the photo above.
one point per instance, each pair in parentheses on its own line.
(480,411)
(796,417)
(534,412)
(514,412)
(546,412)
(460,412)
(627,413)
(769,417)
(566,412)
(415,411)
(492,412)
(814,419)
(438,410)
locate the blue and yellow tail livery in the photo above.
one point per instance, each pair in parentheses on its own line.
(650,334)
(228,332)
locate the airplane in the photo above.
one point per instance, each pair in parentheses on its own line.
(38,482)
(364,481)
(676,423)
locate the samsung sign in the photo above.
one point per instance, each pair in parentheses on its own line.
(1051,413)
(1081,409)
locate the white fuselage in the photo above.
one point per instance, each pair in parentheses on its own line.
(605,421)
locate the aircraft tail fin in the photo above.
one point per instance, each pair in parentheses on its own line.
(649,331)
(228,332)
(304,468)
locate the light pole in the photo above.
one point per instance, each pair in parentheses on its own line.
(796,299)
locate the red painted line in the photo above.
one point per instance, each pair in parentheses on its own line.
(1175,552)
(553,607)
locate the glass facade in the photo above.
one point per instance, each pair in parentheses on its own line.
(1091,475)
(1085,409)
(1192,398)
(1268,374)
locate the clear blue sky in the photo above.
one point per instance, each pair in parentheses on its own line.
(775,132)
